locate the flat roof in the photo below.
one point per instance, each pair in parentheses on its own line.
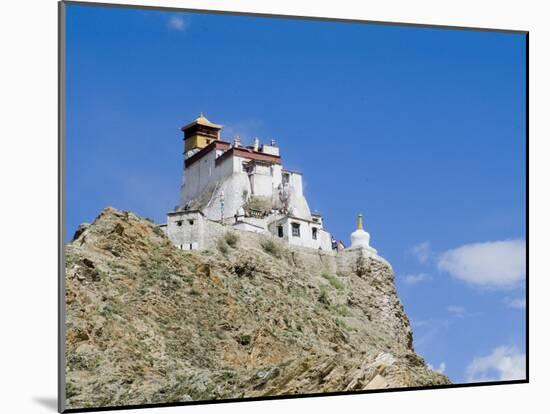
(217,144)
(293,172)
(181,212)
(249,154)
(296,219)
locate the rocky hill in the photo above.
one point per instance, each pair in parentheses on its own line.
(149,323)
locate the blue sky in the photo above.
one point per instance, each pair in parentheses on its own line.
(422,130)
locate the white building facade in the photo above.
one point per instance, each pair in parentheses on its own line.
(242,187)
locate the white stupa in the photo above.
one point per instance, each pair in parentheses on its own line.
(360,239)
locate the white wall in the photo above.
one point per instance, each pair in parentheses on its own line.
(224,169)
(297,204)
(269,149)
(263,182)
(277,178)
(233,187)
(296,182)
(261,185)
(199,175)
(306,234)
(243,226)
(185,230)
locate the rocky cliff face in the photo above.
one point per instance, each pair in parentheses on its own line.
(149,323)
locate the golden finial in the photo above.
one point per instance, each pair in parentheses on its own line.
(360,222)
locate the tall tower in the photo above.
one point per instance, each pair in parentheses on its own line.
(198,134)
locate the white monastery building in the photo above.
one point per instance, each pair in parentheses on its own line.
(245,188)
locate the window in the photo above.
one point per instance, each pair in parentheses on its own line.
(314,233)
(280,231)
(296,229)
(179,223)
(286,178)
(191,222)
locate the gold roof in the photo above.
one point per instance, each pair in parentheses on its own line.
(201,120)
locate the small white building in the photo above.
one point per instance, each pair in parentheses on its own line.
(245,187)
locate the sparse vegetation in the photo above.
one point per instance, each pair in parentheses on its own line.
(109,310)
(158,231)
(323,296)
(227,375)
(245,269)
(333,280)
(244,340)
(205,323)
(222,246)
(71,390)
(272,247)
(342,324)
(341,310)
(231,238)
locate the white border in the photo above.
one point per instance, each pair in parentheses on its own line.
(28,167)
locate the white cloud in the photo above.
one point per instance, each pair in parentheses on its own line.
(422,251)
(414,279)
(504,363)
(177,23)
(515,303)
(498,264)
(440,368)
(457,311)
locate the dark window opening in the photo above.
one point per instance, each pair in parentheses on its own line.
(314,233)
(179,222)
(280,231)
(296,229)
(286,178)
(191,222)
(190,246)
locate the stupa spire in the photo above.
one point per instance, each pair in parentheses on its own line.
(360,239)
